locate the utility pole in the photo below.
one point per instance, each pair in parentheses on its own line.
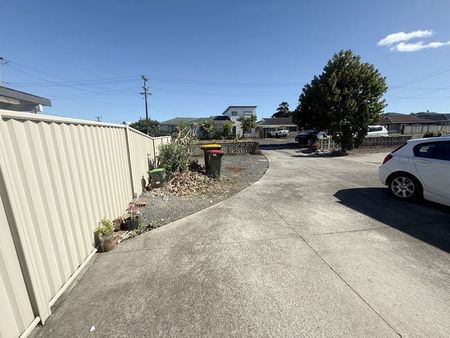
(2,62)
(145,93)
(99,118)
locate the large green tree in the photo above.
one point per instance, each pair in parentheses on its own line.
(343,100)
(150,127)
(282,110)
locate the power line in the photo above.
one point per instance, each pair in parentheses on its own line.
(219,83)
(422,78)
(85,83)
(50,81)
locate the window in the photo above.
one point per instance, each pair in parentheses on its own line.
(248,113)
(442,151)
(234,113)
(372,129)
(436,150)
(424,150)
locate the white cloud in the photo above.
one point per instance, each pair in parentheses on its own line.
(402,36)
(414,47)
(399,41)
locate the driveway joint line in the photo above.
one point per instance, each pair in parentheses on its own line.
(209,245)
(331,268)
(348,231)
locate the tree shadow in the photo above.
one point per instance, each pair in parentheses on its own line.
(278,146)
(426,221)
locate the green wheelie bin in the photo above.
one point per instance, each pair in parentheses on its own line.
(206,148)
(215,163)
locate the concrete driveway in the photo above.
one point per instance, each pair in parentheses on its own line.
(315,248)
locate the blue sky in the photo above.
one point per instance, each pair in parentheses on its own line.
(201,56)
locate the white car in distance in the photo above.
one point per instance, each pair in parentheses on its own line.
(420,168)
(377,131)
(279,133)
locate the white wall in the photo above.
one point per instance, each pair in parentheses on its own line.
(241,112)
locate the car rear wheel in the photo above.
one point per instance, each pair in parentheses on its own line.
(405,186)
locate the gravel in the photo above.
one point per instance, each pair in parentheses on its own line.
(238,172)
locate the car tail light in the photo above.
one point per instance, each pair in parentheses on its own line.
(387,158)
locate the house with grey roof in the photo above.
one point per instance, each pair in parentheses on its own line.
(170,126)
(438,118)
(14,100)
(267,125)
(415,123)
(232,113)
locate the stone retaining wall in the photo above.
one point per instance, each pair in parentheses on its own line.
(384,141)
(330,145)
(239,147)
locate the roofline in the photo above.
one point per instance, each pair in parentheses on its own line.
(16,94)
(238,107)
(187,118)
(430,139)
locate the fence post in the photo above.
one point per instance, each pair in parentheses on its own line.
(154,152)
(130,165)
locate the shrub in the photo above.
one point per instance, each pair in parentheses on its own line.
(174,157)
(105,227)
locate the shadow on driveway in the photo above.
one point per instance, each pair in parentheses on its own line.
(428,222)
(278,146)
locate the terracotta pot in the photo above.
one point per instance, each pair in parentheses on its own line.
(107,242)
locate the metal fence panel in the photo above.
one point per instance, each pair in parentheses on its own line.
(61,176)
(143,151)
(16,313)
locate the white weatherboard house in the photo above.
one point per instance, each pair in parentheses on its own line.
(235,113)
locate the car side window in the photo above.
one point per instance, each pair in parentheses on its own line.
(442,151)
(435,150)
(425,150)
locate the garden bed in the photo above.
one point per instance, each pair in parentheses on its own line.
(238,172)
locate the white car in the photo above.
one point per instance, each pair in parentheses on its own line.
(377,131)
(279,133)
(420,168)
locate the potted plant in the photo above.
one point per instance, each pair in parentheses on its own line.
(105,231)
(132,221)
(158,176)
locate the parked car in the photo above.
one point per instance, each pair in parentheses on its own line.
(307,136)
(279,133)
(377,131)
(420,168)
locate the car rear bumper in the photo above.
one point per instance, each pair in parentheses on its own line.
(383,174)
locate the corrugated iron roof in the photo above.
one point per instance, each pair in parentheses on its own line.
(277,121)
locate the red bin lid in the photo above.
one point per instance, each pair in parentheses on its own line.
(216,152)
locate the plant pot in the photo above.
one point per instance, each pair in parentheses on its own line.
(130,224)
(107,242)
(158,176)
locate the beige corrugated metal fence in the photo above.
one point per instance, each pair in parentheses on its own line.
(58,177)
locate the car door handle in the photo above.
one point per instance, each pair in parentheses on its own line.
(423,161)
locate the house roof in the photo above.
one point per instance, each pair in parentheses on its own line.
(231,107)
(186,120)
(403,118)
(432,116)
(222,118)
(15,95)
(280,121)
